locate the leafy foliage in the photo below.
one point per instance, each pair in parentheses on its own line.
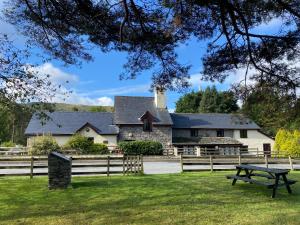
(141,147)
(209,101)
(84,146)
(288,142)
(189,103)
(8,144)
(79,143)
(150,31)
(272,109)
(43,145)
(98,148)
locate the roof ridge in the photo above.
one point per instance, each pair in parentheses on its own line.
(77,112)
(133,96)
(211,113)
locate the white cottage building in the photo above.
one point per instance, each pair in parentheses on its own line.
(147,118)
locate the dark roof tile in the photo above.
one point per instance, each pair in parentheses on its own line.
(212,121)
(70,122)
(129,109)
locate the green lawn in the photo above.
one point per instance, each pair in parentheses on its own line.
(196,198)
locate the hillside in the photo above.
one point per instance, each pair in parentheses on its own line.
(81,108)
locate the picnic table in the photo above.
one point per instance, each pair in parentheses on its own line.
(275,177)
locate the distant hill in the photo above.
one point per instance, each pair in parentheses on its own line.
(80,108)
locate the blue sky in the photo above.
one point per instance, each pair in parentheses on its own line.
(97,82)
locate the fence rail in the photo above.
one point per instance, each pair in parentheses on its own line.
(125,165)
(190,163)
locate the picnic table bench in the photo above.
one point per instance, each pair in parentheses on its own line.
(275,177)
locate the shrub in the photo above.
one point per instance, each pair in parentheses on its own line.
(8,144)
(141,147)
(43,145)
(288,142)
(79,143)
(98,149)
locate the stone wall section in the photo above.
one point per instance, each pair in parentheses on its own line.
(162,134)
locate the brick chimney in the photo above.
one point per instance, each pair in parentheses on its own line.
(160,98)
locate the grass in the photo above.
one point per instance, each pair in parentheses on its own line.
(194,198)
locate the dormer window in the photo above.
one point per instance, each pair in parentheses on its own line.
(147,125)
(147,120)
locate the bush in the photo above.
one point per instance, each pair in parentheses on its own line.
(98,149)
(8,144)
(84,146)
(79,143)
(288,142)
(141,147)
(43,145)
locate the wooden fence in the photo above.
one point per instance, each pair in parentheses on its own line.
(209,163)
(125,165)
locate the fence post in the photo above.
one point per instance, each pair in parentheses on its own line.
(108,165)
(291,163)
(31,167)
(266,161)
(71,162)
(123,165)
(211,163)
(198,151)
(134,164)
(240,160)
(175,151)
(142,164)
(138,163)
(181,162)
(256,152)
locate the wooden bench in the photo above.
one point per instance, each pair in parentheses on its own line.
(275,177)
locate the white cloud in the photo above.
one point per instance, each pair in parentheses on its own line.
(121,90)
(57,76)
(105,101)
(75,98)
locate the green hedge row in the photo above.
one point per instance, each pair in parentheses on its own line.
(85,146)
(141,147)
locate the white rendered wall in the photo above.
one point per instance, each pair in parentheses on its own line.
(255,139)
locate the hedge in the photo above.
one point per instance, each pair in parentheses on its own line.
(98,148)
(84,146)
(43,145)
(141,147)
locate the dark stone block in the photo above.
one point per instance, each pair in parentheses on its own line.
(59,170)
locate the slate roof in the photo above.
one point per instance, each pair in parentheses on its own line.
(206,141)
(129,109)
(212,121)
(67,123)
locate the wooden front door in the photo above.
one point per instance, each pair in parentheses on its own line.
(267,149)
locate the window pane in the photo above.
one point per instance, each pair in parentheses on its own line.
(243,134)
(220,133)
(194,133)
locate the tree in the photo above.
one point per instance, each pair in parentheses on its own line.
(271,108)
(209,101)
(19,80)
(227,102)
(150,31)
(189,103)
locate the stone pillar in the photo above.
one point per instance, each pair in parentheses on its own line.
(176,151)
(198,150)
(59,170)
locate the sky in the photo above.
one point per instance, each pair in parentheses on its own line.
(97,82)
